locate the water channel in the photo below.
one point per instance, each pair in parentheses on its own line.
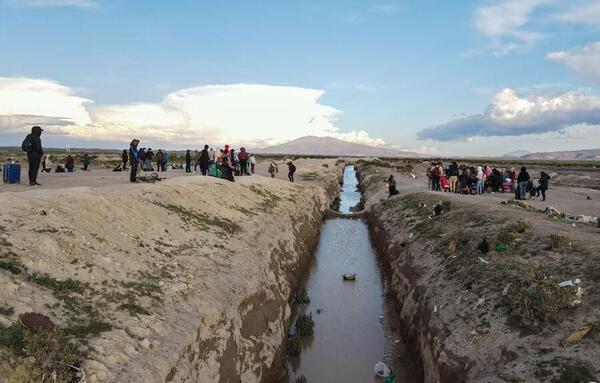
(354,322)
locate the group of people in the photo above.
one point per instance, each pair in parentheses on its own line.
(479,179)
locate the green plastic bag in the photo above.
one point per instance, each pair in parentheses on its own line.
(500,248)
(391,378)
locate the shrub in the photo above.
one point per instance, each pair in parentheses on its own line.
(520,226)
(305,325)
(293,345)
(559,242)
(302,298)
(300,379)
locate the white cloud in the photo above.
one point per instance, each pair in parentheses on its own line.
(584,61)
(588,13)
(53,3)
(252,114)
(512,115)
(388,8)
(504,23)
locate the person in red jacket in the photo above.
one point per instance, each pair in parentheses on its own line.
(243,157)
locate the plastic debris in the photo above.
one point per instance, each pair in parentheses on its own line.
(500,248)
(483,246)
(480,301)
(435,309)
(505,290)
(577,335)
(35,321)
(382,370)
(567,283)
(349,277)
(483,260)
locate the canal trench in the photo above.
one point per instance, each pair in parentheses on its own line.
(355,322)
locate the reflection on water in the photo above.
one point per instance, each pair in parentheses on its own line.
(351,333)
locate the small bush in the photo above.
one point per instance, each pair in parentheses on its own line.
(302,298)
(559,242)
(6,310)
(293,345)
(520,226)
(535,296)
(305,325)
(300,379)
(447,205)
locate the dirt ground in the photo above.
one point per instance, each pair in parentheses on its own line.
(497,316)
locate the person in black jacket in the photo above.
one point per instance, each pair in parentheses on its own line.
(543,185)
(34,154)
(188,162)
(204,160)
(453,173)
(522,180)
(124,158)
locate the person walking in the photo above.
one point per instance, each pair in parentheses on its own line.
(204,160)
(32,144)
(124,158)
(243,157)
(543,185)
(134,159)
(188,161)
(291,170)
(273,169)
(523,179)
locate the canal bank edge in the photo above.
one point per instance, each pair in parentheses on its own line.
(465,333)
(221,309)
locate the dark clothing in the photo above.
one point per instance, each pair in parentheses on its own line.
(453,170)
(435,183)
(34,159)
(291,171)
(188,162)
(544,178)
(523,177)
(392,186)
(244,167)
(204,161)
(125,159)
(134,161)
(70,164)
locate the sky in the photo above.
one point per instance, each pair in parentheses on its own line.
(457,77)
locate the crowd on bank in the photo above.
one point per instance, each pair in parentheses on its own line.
(468,179)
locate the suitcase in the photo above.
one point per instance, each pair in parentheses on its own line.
(11,173)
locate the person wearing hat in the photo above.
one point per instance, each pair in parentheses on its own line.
(33,146)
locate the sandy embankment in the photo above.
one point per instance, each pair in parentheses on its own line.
(188,279)
(494,316)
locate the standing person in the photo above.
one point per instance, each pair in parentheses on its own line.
(47,164)
(134,159)
(165,161)
(512,175)
(32,144)
(212,156)
(453,172)
(142,159)
(234,159)
(523,179)
(273,169)
(243,157)
(392,185)
(480,179)
(543,185)
(70,163)
(86,161)
(124,158)
(228,165)
(204,160)
(149,158)
(291,170)
(436,174)
(188,161)
(252,163)
(159,159)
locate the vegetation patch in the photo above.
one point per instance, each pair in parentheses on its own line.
(305,325)
(201,220)
(558,242)
(6,310)
(302,298)
(293,346)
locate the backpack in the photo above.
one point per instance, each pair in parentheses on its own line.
(27,145)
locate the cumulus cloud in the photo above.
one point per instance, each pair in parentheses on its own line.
(584,61)
(253,114)
(504,22)
(587,13)
(512,115)
(53,3)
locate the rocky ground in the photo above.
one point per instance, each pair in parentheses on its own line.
(493,311)
(165,282)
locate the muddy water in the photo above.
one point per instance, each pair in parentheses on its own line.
(354,327)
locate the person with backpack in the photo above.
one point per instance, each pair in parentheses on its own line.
(134,159)
(124,158)
(273,169)
(32,144)
(291,170)
(523,179)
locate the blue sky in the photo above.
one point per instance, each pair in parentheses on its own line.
(459,77)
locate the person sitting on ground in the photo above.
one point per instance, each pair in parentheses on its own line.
(291,169)
(543,181)
(87,159)
(391,182)
(522,179)
(124,158)
(59,169)
(118,168)
(273,169)
(70,164)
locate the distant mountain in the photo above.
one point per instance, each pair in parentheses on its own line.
(573,155)
(517,154)
(329,146)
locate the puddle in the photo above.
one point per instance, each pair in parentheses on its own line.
(354,329)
